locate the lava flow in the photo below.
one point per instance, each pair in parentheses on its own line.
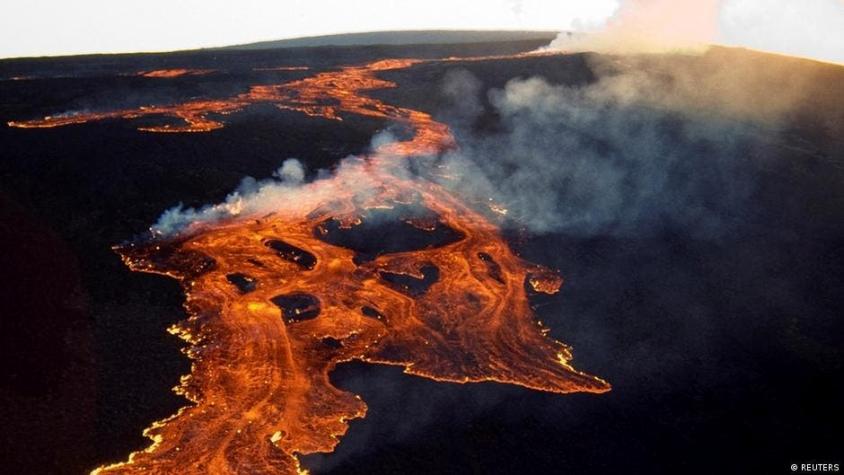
(174,73)
(325,95)
(367,265)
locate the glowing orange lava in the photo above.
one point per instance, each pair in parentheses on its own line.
(174,73)
(283,68)
(276,301)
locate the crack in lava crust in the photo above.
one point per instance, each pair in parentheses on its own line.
(274,307)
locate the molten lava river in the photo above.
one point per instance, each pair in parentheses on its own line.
(277,300)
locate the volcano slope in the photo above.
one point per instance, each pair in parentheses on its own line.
(709,304)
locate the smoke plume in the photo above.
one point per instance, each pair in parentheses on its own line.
(642,148)
(251,196)
(605,159)
(648,26)
(811,28)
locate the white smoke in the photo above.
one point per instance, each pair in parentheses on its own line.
(600,160)
(292,172)
(808,28)
(286,192)
(251,196)
(644,147)
(647,26)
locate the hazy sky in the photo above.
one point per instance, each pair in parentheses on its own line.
(813,28)
(50,27)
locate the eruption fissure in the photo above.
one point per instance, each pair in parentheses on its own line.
(277,300)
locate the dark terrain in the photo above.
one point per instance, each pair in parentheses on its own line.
(723,349)
(420,37)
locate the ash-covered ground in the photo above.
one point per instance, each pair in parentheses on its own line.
(693,204)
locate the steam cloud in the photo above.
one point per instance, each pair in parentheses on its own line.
(648,26)
(285,189)
(810,28)
(250,196)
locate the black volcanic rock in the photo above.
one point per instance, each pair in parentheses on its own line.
(723,350)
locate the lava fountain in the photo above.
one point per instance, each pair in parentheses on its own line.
(276,301)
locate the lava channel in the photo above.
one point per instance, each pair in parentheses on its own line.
(276,301)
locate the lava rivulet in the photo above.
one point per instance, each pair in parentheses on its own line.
(174,73)
(325,95)
(277,300)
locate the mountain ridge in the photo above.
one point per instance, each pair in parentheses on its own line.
(408,37)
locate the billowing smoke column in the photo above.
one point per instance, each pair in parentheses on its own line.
(810,28)
(252,196)
(649,26)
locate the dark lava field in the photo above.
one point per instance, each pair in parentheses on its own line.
(694,206)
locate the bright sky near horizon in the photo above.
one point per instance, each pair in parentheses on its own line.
(50,27)
(812,28)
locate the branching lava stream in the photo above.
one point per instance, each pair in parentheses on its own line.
(277,300)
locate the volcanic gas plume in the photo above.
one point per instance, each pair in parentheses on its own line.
(368,264)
